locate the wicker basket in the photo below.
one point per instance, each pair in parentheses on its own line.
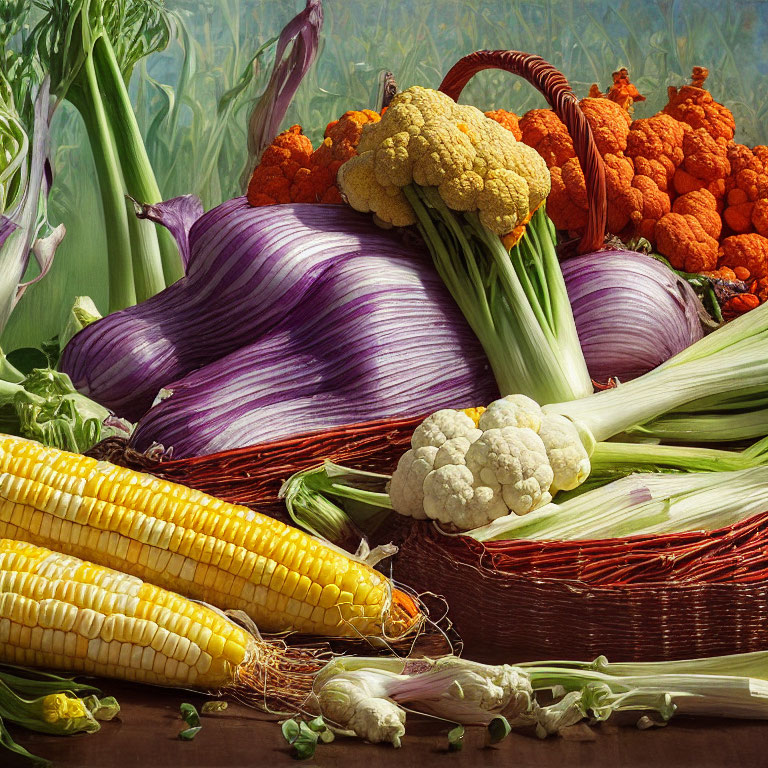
(522,613)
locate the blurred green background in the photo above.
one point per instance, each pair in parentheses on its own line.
(193,99)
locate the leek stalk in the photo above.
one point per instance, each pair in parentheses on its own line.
(90,48)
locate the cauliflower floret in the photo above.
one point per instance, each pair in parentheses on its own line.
(444,425)
(567,456)
(516,459)
(454,450)
(357,181)
(451,496)
(512,411)
(426,138)
(407,483)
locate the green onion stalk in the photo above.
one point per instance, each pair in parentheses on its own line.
(641,504)
(514,300)
(369,696)
(90,48)
(725,372)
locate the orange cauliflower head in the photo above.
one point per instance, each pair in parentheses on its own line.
(694,105)
(685,243)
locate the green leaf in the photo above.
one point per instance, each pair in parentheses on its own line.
(213,706)
(189,715)
(498,729)
(290,729)
(189,733)
(327,736)
(106,708)
(7,742)
(317,724)
(26,359)
(305,747)
(301,737)
(52,351)
(456,738)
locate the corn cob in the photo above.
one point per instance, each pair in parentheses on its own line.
(183,540)
(61,612)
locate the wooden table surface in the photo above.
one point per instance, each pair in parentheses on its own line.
(146,736)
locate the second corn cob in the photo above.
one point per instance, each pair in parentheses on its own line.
(61,612)
(186,541)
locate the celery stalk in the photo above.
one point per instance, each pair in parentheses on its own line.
(515,301)
(122,290)
(140,182)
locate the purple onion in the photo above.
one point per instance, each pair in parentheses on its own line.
(632,312)
(249,268)
(375,337)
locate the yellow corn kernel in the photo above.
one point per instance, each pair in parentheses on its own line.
(91,625)
(181,539)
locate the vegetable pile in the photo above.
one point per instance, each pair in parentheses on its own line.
(676,179)
(411,267)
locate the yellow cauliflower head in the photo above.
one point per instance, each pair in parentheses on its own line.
(426,138)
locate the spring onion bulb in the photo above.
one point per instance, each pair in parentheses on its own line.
(631,311)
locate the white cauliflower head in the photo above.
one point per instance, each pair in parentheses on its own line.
(444,425)
(511,411)
(406,488)
(516,459)
(454,451)
(452,497)
(567,455)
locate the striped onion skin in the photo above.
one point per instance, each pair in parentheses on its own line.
(368,342)
(632,312)
(249,268)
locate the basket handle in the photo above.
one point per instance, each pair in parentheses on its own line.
(556,90)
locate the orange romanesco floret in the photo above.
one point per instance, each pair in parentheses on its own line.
(702,205)
(543,130)
(508,119)
(290,172)
(705,164)
(622,91)
(610,128)
(567,201)
(749,251)
(747,184)
(609,122)
(684,241)
(694,105)
(655,145)
(651,204)
(760,216)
